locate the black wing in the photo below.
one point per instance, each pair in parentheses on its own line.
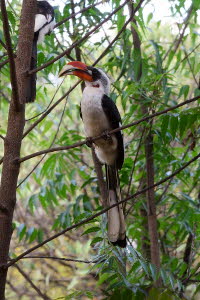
(113,115)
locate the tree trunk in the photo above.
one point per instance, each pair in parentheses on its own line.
(12,144)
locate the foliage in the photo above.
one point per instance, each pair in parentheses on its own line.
(63,189)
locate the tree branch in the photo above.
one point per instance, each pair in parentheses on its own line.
(60,258)
(120,32)
(78,144)
(74,14)
(2,137)
(184,28)
(42,295)
(101,212)
(55,136)
(47,112)
(13,76)
(2,43)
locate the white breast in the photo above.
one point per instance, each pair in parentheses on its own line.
(95,123)
(94,118)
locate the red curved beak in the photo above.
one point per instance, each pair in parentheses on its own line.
(78,69)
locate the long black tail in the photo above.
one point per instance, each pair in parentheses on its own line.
(31,81)
(116,223)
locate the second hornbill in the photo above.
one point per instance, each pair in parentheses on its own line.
(100,115)
(44,24)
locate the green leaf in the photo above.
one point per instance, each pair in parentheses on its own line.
(164,126)
(91,229)
(150,16)
(96,240)
(183,124)
(21,231)
(173,125)
(184,91)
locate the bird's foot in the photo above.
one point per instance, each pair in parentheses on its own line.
(106,136)
(89,142)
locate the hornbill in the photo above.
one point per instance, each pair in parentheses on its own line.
(100,115)
(44,24)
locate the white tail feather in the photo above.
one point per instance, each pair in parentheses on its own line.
(113,218)
(116,222)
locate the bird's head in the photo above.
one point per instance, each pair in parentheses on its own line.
(93,77)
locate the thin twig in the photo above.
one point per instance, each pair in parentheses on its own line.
(74,14)
(135,160)
(177,40)
(55,136)
(48,104)
(119,33)
(78,144)
(184,28)
(61,258)
(50,109)
(13,76)
(3,63)
(189,64)
(2,137)
(42,295)
(101,212)
(3,44)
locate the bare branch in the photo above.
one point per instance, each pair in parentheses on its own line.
(120,32)
(48,104)
(2,137)
(102,212)
(177,40)
(184,28)
(2,43)
(3,63)
(13,76)
(78,144)
(61,258)
(55,136)
(50,109)
(42,295)
(190,66)
(79,12)
(135,160)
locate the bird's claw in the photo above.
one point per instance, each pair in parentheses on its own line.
(89,142)
(106,136)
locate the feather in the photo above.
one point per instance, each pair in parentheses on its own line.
(116,222)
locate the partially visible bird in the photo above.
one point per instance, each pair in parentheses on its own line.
(100,115)
(44,24)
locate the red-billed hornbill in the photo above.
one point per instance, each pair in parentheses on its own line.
(100,115)
(44,24)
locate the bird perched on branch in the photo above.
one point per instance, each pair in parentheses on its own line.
(100,115)
(44,24)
